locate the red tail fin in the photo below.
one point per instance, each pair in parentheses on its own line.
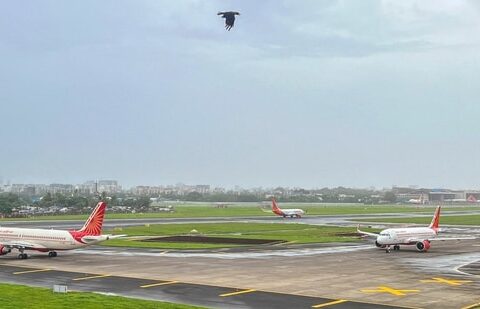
(275,208)
(93,225)
(435,220)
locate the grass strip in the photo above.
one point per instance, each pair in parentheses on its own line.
(453,220)
(20,296)
(292,232)
(209,210)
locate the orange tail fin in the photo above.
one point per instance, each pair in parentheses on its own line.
(275,208)
(93,225)
(435,220)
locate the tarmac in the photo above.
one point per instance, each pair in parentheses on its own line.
(286,276)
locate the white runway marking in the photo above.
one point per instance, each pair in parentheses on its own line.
(444,264)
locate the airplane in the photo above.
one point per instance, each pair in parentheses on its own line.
(418,236)
(292,213)
(420,200)
(49,240)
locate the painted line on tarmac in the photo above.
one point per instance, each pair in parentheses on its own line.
(330,303)
(31,271)
(386,289)
(445,281)
(237,293)
(471,306)
(158,284)
(90,277)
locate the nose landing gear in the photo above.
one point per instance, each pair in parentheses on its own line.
(52,254)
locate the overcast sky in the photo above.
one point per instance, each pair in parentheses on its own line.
(298,93)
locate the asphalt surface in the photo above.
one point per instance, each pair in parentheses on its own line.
(173,291)
(292,276)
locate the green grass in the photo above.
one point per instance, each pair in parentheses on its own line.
(19,296)
(455,220)
(208,210)
(293,232)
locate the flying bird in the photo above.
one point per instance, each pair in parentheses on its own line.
(229,18)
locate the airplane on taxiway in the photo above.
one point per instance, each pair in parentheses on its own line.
(420,200)
(51,241)
(418,236)
(292,213)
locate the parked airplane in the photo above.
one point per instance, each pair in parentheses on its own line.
(50,241)
(420,200)
(418,236)
(292,213)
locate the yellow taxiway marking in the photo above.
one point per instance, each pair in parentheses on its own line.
(386,289)
(91,277)
(446,281)
(330,303)
(158,284)
(237,293)
(30,271)
(471,306)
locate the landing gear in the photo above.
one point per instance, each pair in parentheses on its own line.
(23,256)
(52,254)
(387,250)
(396,247)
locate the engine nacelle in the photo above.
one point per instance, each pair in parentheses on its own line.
(379,245)
(4,250)
(423,246)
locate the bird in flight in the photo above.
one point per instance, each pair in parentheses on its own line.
(229,18)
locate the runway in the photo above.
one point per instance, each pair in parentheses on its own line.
(173,291)
(335,275)
(357,275)
(340,220)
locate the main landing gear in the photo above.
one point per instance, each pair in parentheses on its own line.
(22,256)
(395,248)
(52,254)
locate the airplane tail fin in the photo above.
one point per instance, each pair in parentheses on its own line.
(434,225)
(274,205)
(472,199)
(275,208)
(93,225)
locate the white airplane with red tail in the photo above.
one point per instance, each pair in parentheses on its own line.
(51,241)
(292,213)
(421,237)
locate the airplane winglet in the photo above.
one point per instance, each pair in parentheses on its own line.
(365,233)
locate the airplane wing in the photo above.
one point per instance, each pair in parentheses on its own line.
(23,245)
(116,236)
(413,240)
(101,237)
(366,233)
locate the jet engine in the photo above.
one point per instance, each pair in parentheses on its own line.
(379,245)
(423,246)
(4,250)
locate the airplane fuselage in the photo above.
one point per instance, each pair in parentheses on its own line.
(290,212)
(48,240)
(405,236)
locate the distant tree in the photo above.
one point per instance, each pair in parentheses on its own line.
(60,199)
(390,197)
(103,196)
(193,196)
(8,202)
